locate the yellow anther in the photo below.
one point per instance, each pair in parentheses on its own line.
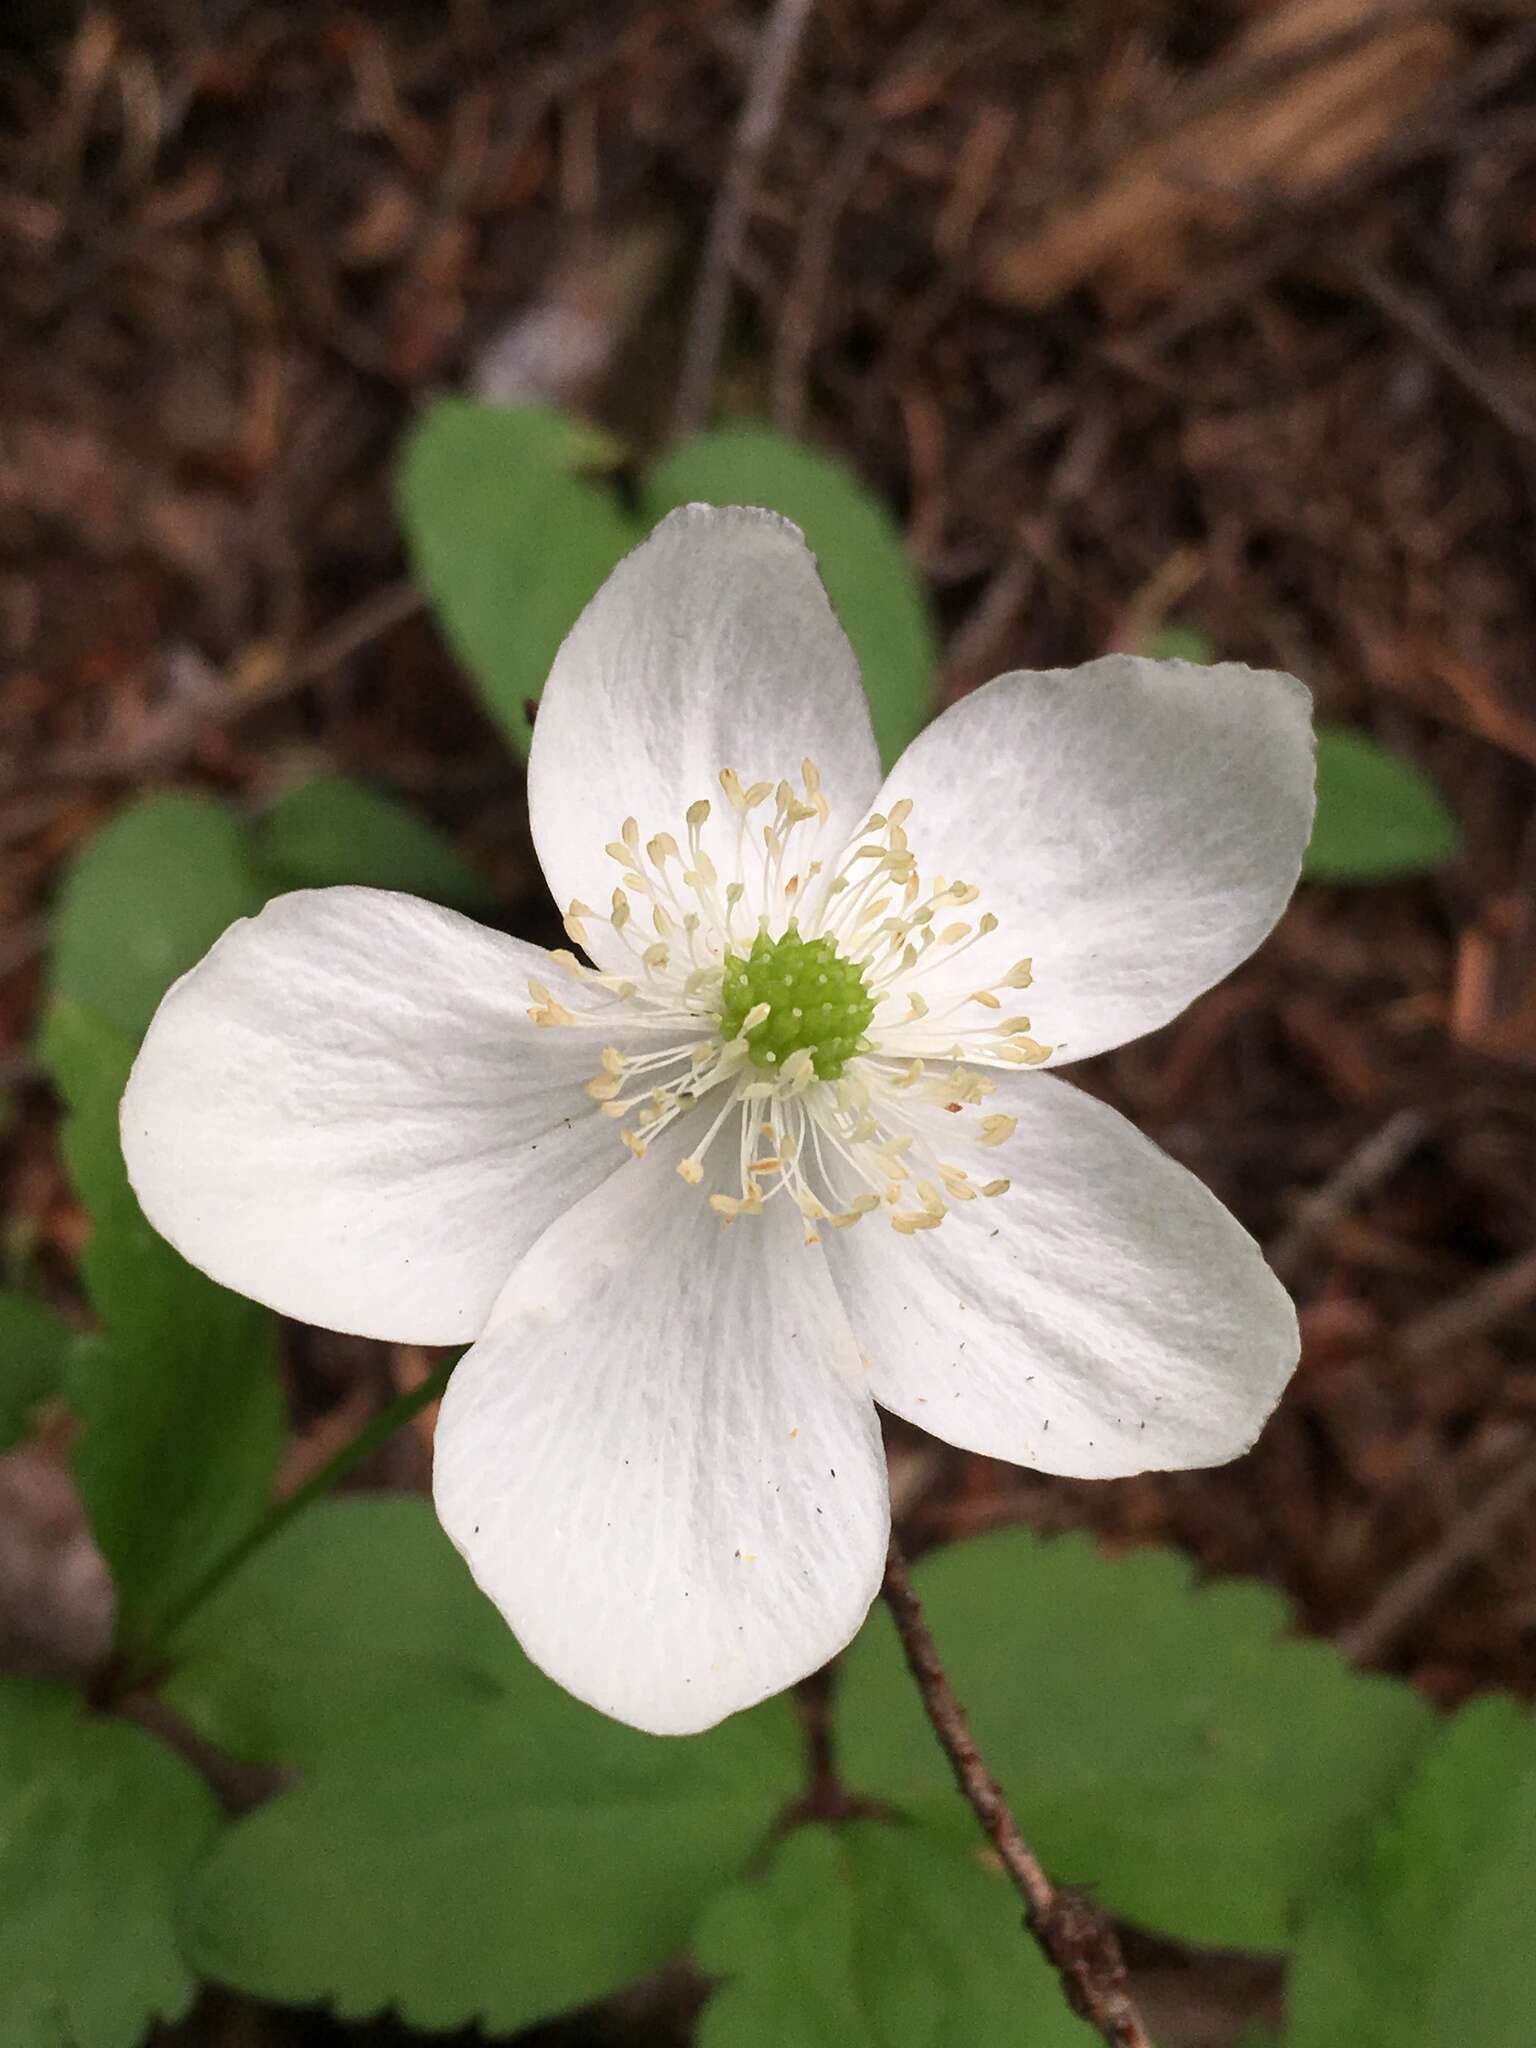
(880,912)
(1027,1052)
(548,1010)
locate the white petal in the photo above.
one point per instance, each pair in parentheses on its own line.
(1137,826)
(662,1461)
(345,1112)
(712,646)
(1104,1316)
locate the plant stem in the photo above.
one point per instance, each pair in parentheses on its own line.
(1076,1937)
(137,1669)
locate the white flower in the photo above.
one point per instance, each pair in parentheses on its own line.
(783,1150)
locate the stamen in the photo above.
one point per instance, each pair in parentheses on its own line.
(815,1001)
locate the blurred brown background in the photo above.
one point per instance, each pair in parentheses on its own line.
(1135,312)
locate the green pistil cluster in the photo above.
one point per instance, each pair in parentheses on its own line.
(816,1000)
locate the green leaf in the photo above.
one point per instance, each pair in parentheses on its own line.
(360,1601)
(509,538)
(878,1937)
(153,889)
(473,1843)
(144,900)
(334,830)
(34,1351)
(99,1827)
(178,1395)
(1173,1748)
(878,596)
(1430,1941)
(1378,816)
(1180,643)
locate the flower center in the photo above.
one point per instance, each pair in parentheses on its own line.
(815,1010)
(804,996)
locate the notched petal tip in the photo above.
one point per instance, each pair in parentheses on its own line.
(724,524)
(712,646)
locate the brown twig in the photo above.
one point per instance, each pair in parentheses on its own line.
(1360,1173)
(814,261)
(1491,1297)
(760,114)
(974,646)
(1404,1599)
(1076,1937)
(166,738)
(1419,321)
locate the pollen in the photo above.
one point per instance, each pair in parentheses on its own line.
(796,995)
